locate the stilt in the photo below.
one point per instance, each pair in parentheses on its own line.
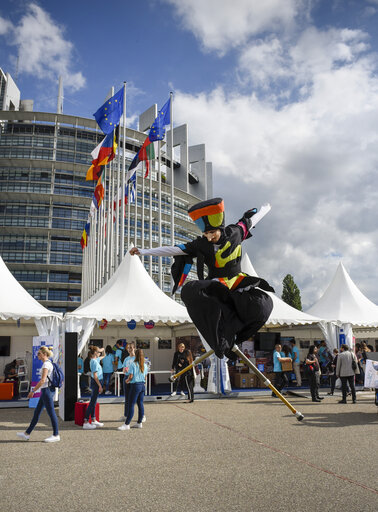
(266,381)
(199,359)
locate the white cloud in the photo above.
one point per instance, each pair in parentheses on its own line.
(223,24)
(42,49)
(314,159)
(5,26)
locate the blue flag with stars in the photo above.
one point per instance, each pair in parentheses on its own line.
(157,130)
(110,113)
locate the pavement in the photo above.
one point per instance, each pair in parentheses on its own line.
(228,454)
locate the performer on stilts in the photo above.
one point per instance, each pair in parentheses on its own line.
(227,306)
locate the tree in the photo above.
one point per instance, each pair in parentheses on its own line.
(290,293)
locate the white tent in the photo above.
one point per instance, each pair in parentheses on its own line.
(130,294)
(282,313)
(343,305)
(17,303)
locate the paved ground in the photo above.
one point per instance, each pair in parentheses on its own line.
(245,454)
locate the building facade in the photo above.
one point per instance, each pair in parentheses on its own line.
(45,200)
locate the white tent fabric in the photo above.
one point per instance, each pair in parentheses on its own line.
(282,313)
(343,302)
(343,306)
(17,303)
(130,294)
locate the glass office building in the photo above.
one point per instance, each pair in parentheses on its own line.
(45,200)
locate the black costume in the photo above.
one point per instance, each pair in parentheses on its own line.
(227,306)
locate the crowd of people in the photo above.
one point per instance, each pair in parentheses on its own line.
(346,365)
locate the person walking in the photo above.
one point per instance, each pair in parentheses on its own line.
(108,368)
(280,380)
(136,378)
(189,375)
(312,366)
(346,369)
(177,366)
(333,370)
(95,357)
(296,362)
(46,399)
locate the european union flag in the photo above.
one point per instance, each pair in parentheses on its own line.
(110,113)
(157,130)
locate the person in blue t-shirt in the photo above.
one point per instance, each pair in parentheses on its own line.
(136,378)
(80,371)
(108,368)
(280,376)
(95,357)
(130,347)
(119,363)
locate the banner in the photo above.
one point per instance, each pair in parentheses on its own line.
(38,342)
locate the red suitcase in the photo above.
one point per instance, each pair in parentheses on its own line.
(80,408)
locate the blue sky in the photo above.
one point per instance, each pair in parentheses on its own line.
(283,93)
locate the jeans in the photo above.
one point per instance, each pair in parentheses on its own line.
(46,400)
(107,380)
(344,381)
(136,396)
(126,388)
(92,404)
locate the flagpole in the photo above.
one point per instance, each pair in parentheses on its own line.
(159,214)
(122,251)
(136,209)
(109,223)
(172,175)
(142,216)
(150,225)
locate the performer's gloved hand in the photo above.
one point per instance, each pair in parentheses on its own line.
(250,213)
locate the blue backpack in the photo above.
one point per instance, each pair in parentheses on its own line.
(57,377)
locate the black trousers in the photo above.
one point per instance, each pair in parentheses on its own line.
(314,387)
(189,383)
(344,385)
(225,317)
(280,380)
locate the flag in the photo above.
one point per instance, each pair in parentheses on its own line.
(98,195)
(157,130)
(146,153)
(109,114)
(102,155)
(85,236)
(130,189)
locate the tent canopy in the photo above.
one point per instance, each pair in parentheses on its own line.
(343,302)
(282,313)
(131,294)
(16,302)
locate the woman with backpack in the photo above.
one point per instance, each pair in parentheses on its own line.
(46,399)
(136,378)
(95,357)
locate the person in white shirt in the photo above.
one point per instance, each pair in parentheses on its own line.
(46,398)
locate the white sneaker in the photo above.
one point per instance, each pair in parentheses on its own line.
(122,418)
(52,439)
(182,393)
(137,425)
(97,423)
(124,427)
(144,419)
(88,426)
(23,436)
(173,393)
(108,392)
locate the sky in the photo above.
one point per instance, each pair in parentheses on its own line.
(284,93)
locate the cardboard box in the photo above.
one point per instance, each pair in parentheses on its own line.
(245,380)
(6,390)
